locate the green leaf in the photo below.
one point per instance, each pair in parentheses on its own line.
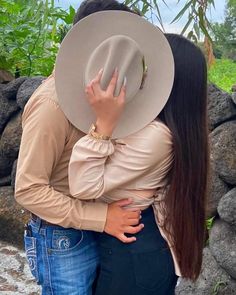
(204,30)
(158,14)
(165,3)
(182,11)
(209,222)
(212,2)
(187,25)
(127,2)
(196,29)
(190,34)
(70,16)
(202,23)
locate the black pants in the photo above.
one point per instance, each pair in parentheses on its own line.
(144,267)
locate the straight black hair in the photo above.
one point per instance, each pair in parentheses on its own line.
(186,116)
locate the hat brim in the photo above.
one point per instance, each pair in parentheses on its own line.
(75,51)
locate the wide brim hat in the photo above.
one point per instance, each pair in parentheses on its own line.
(109,40)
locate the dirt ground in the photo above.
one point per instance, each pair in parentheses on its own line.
(15,276)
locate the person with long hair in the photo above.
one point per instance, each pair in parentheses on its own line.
(163,167)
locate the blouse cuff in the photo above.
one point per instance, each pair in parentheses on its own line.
(99,146)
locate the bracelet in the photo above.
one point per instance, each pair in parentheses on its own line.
(96,135)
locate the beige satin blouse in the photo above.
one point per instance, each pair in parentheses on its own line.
(134,167)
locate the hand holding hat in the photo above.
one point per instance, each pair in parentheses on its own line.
(106,106)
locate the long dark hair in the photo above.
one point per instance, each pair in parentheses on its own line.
(186,116)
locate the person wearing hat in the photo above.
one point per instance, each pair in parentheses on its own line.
(62,254)
(144,112)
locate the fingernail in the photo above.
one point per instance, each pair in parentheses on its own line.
(100,72)
(142,225)
(140,216)
(116,71)
(125,81)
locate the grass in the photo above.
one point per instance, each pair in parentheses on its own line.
(218,286)
(223,74)
(209,222)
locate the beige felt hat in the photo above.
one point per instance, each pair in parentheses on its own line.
(109,40)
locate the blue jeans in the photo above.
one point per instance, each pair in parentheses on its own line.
(63,261)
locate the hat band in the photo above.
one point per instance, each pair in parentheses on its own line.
(145,71)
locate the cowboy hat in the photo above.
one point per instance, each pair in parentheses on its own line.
(109,40)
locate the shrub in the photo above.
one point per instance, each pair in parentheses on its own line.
(223,74)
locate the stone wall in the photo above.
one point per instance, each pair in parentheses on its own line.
(218,274)
(13,97)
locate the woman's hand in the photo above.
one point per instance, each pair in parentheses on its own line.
(107,107)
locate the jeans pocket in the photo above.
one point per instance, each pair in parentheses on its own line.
(151,270)
(63,241)
(31,255)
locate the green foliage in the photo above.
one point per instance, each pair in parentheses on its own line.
(31,31)
(224,34)
(223,74)
(197,21)
(231,6)
(218,287)
(209,222)
(149,9)
(30,35)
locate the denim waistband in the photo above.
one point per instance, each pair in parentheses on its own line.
(37,224)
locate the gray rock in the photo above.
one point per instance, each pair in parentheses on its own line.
(227,207)
(217,189)
(5,180)
(11,137)
(222,243)
(223,151)
(27,89)
(5,166)
(13,174)
(7,108)
(9,90)
(213,280)
(234,97)
(12,217)
(220,106)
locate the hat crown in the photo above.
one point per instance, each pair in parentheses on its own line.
(119,52)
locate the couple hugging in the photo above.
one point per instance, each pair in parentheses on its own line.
(114,157)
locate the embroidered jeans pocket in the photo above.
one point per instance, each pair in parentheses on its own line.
(31,255)
(66,240)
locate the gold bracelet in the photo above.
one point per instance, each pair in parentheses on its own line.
(96,135)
